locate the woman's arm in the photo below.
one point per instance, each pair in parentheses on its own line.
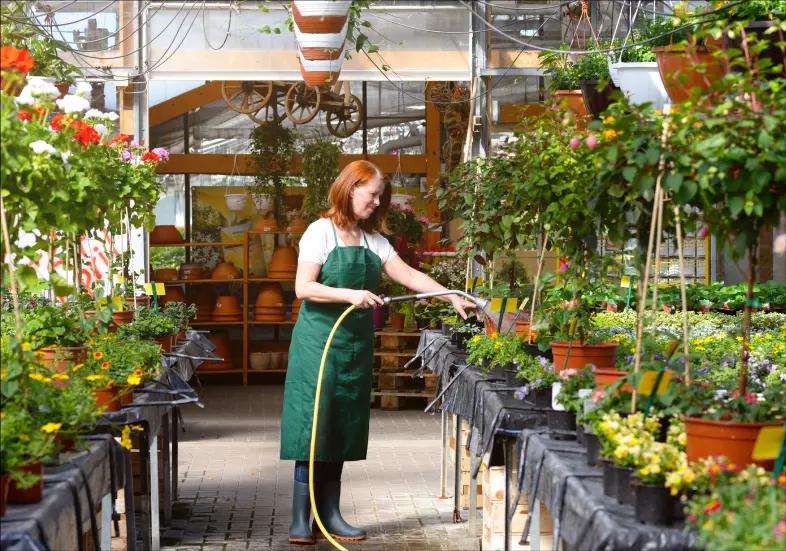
(308,288)
(400,272)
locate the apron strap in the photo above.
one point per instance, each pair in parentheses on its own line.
(365,240)
(335,235)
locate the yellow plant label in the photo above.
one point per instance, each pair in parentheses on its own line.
(510,306)
(473,282)
(625,282)
(647,384)
(768,443)
(160,289)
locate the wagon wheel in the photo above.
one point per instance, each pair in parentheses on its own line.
(272,111)
(247,96)
(302,102)
(346,120)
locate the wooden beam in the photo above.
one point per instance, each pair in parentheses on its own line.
(505,59)
(219,163)
(512,113)
(185,102)
(433,165)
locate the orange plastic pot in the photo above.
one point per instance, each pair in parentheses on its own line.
(601,355)
(165,235)
(127,395)
(683,68)
(225,270)
(60,358)
(397,321)
(19,496)
(605,377)
(107,398)
(122,317)
(733,439)
(573,101)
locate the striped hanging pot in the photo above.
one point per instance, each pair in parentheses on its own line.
(320,31)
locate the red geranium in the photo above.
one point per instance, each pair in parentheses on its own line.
(15,59)
(24,115)
(121,138)
(150,156)
(87,135)
(57,122)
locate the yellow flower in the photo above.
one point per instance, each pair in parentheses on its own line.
(61,376)
(36,376)
(133,380)
(610,134)
(24,438)
(96,377)
(49,428)
(609,120)
(26,346)
(77,367)
(3,373)
(125,437)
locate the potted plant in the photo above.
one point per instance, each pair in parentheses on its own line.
(57,334)
(537,374)
(180,313)
(592,71)
(153,325)
(320,169)
(568,397)
(563,80)
(273,148)
(405,231)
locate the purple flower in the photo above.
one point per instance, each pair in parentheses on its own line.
(521,393)
(161,152)
(125,155)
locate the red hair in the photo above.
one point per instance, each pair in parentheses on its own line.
(356,174)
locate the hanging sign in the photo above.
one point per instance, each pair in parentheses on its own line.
(159,290)
(768,443)
(650,379)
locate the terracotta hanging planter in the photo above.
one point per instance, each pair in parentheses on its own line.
(573,101)
(733,439)
(320,16)
(165,235)
(684,67)
(601,355)
(319,72)
(321,46)
(19,496)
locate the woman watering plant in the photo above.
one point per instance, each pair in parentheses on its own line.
(341,259)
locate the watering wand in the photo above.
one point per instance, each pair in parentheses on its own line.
(481,303)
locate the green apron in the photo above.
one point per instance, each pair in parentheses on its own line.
(345,402)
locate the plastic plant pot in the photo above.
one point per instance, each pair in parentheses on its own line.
(609,478)
(653,504)
(624,477)
(541,397)
(592,445)
(562,424)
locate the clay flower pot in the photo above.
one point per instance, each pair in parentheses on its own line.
(204,302)
(684,67)
(605,377)
(596,101)
(222,350)
(297,225)
(270,294)
(283,263)
(601,355)
(166,274)
(107,398)
(735,440)
(572,100)
(227,306)
(191,271)
(259,361)
(225,271)
(267,225)
(60,358)
(320,16)
(173,294)
(165,235)
(19,496)
(397,321)
(165,341)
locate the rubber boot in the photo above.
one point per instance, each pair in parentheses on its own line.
(299,530)
(328,499)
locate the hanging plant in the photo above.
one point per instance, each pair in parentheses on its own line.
(273,148)
(320,169)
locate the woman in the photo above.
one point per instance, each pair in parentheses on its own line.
(340,263)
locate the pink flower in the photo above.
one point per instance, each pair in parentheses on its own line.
(591,141)
(563,264)
(125,155)
(751,399)
(423,220)
(567,374)
(162,153)
(574,142)
(780,530)
(703,232)
(597,396)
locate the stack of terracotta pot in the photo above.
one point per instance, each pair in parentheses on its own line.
(269,305)
(190,272)
(227,308)
(164,275)
(165,235)
(296,308)
(223,350)
(225,270)
(283,263)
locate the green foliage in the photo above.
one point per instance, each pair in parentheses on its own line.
(560,69)
(167,257)
(117,359)
(402,222)
(180,313)
(536,372)
(571,381)
(593,66)
(273,148)
(320,169)
(54,326)
(149,323)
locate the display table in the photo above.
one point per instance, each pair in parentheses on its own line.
(72,492)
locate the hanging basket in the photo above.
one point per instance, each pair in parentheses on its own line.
(320,72)
(640,82)
(572,100)
(683,68)
(320,16)
(236,201)
(319,46)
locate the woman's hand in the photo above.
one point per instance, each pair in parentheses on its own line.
(460,305)
(363,299)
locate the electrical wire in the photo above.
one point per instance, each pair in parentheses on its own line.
(204,26)
(436,31)
(111,3)
(163,60)
(522,8)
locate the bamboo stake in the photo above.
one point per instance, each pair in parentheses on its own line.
(658,244)
(683,293)
(11,272)
(51,266)
(537,283)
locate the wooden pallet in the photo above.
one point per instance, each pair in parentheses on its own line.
(396,401)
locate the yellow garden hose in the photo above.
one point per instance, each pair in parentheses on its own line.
(314,423)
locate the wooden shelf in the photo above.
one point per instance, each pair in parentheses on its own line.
(183,281)
(208,323)
(385,333)
(266,370)
(397,353)
(285,322)
(216,244)
(218,371)
(260,232)
(269,280)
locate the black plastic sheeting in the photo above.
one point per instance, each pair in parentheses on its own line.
(72,494)
(556,473)
(487,404)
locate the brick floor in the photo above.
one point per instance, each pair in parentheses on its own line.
(235,493)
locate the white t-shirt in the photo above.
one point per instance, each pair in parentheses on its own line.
(318,240)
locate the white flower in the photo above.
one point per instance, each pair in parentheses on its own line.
(100,128)
(111,116)
(73,104)
(37,89)
(40,146)
(84,89)
(64,155)
(94,114)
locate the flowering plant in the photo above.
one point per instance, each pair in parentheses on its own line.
(571,381)
(122,362)
(54,326)
(746,511)
(536,371)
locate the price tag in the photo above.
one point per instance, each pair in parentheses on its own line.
(474,282)
(648,380)
(511,304)
(768,443)
(625,282)
(159,291)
